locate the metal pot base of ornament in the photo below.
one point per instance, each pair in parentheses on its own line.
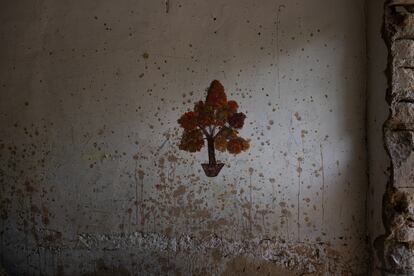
(212,170)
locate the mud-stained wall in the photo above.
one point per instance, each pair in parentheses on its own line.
(92,181)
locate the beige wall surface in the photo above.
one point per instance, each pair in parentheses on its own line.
(92,180)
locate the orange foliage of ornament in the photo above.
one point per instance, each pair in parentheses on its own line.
(237,120)
(237,145)
(188,120)
(220,143)
(232,105)
(216,97)
(192,140)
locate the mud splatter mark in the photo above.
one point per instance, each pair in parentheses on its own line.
(274,198)
(250,200)
(180,191)
(129,219)
(45,215)
(141,178)
(139,204)
(299,171)
(172,159)
(167,6)
(243,266)
(278,50)
(323,187)
(102,269)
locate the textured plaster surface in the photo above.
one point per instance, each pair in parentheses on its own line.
(92,182)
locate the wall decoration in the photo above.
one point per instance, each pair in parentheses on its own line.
(216,120)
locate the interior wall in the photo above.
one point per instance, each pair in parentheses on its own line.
(92,180)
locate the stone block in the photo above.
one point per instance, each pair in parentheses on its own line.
(403,84)
(403,53)
(399,211)
(402,116)
(405,234)
(403,27)
(404,175)
(400,145)
(401,2)
(399,256)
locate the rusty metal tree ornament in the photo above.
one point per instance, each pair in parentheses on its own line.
(216,120)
